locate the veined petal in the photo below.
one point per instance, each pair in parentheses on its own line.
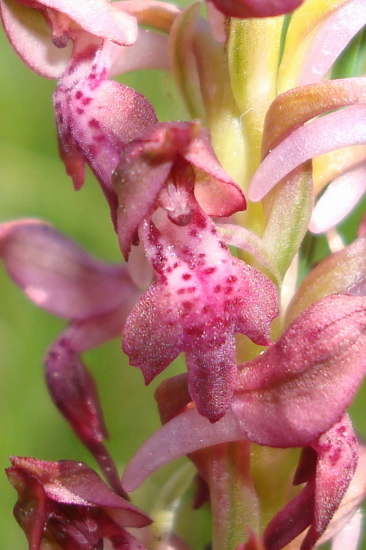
(60,276)
(332,131)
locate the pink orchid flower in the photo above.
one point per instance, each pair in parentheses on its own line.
(95,116)
(202,295)
(66,505)
(285,398)
(96,297)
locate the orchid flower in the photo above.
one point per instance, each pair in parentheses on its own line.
(66,505)
(96,297)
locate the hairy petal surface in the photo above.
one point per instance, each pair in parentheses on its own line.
(285,397)
(96,117)
(201,298)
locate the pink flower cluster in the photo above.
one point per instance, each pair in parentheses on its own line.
(178,214)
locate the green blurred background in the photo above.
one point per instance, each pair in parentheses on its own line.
(34,184)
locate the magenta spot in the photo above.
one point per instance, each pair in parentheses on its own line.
(93,123)
(87,100)
(175,265)
(201,255)
(181,291)
(187,305)
(217,288)
(191,289)
(60,118)
(232,279)
(228,289)
(209,270)
(100,138)
(78,94)
(206,309)
(80,111)
(194,331)
(186,276)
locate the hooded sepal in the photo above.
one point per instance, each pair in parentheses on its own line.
(170,155)
(66,505)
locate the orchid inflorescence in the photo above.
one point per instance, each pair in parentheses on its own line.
(211,214)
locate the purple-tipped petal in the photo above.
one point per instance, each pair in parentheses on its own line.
(58,275)
(333,131)
(74,392)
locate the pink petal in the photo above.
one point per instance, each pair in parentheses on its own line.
(184,434)
(98,17)
(285,398)
(337,451)
(350,535)
(255,8)
(201,298)
(71,482)
(317,502)
(30,37)
(344,23)
(332,131)
(97,117)
(326,338)
(31,508)
(154,159)
(74,392)
(58,275)
(341,272)
(150,51)
(340,197)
